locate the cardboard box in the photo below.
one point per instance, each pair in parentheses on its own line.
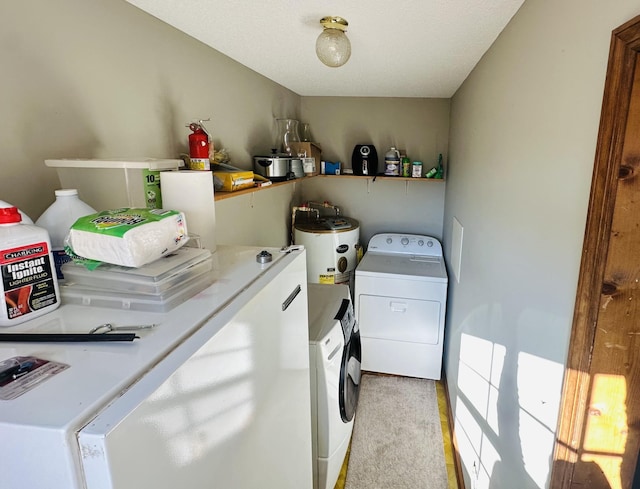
(308,150)
(233,180)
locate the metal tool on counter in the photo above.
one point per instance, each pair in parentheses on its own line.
(108,328)
(64,337)
(99,333)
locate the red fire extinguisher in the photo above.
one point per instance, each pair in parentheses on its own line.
(199,147)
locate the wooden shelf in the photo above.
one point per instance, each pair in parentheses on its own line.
(383,177)
(227,195)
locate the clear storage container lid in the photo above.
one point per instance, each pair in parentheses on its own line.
(163,302)
(176,269)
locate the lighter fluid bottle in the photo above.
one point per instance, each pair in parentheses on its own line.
(29,284)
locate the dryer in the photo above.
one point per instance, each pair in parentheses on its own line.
(400,301)
(334,366)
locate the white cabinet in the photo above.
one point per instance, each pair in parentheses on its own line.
(233,413)
(227,407)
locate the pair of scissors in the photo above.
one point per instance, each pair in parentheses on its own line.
(108,327)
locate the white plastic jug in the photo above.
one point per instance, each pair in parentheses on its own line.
(58,219)
(25,219)
(392,162)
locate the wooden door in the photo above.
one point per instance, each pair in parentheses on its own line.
(598,435)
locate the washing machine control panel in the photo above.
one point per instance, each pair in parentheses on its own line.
(405,243)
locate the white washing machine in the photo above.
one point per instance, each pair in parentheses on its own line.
(400,299)
(334,354)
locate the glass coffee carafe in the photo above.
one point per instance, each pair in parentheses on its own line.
(305,131)
(288,132)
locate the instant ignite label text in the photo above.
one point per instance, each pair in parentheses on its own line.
(26,268)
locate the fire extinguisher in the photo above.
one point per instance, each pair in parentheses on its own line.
(199,147)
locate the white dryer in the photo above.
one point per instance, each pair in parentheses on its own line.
(334,354)
(400,299)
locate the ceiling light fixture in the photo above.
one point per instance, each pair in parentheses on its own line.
(333,47)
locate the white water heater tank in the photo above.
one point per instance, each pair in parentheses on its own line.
(331,244)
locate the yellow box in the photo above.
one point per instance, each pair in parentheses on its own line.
(233,180)
(311,150)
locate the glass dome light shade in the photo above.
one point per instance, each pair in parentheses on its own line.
(333,47)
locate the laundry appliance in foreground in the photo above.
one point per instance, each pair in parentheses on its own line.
(334,366)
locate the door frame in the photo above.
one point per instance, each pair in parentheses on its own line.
(623,57)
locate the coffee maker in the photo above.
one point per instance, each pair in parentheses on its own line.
(364,160)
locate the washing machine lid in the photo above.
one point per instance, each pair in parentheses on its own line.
(403,266)
(324,302)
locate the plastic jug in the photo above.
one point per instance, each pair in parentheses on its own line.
(58,219)
(25,219)
(392,162)
(29,285)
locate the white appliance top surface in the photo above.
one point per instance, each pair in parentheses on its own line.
(98,371)
(324,303)
(408,256)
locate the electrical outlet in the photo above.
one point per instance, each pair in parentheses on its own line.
(476,474)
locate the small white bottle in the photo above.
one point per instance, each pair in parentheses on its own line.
(29,283)
(58,219)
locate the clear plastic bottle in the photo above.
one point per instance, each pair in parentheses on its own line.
(29,284)
(58,219)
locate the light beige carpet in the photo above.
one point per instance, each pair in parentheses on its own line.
(397,436)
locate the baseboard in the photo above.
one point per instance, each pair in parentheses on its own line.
(452,432)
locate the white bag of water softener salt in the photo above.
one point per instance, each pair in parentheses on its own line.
(128,237)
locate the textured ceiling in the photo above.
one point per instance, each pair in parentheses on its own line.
(400,48)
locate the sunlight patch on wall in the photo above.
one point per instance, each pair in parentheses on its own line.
(482,410)
(479,374)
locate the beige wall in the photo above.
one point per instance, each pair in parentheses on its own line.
(260,218)
(102,79)
(420,126)
(523,136)
(383,205)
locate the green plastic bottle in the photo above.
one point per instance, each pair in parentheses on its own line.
(440,169)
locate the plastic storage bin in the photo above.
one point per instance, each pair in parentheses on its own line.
(112,184)
(176,270)
(163,302)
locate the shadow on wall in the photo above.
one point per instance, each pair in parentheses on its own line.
(505,418)
(594,476)
(506,408)
(44,119)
